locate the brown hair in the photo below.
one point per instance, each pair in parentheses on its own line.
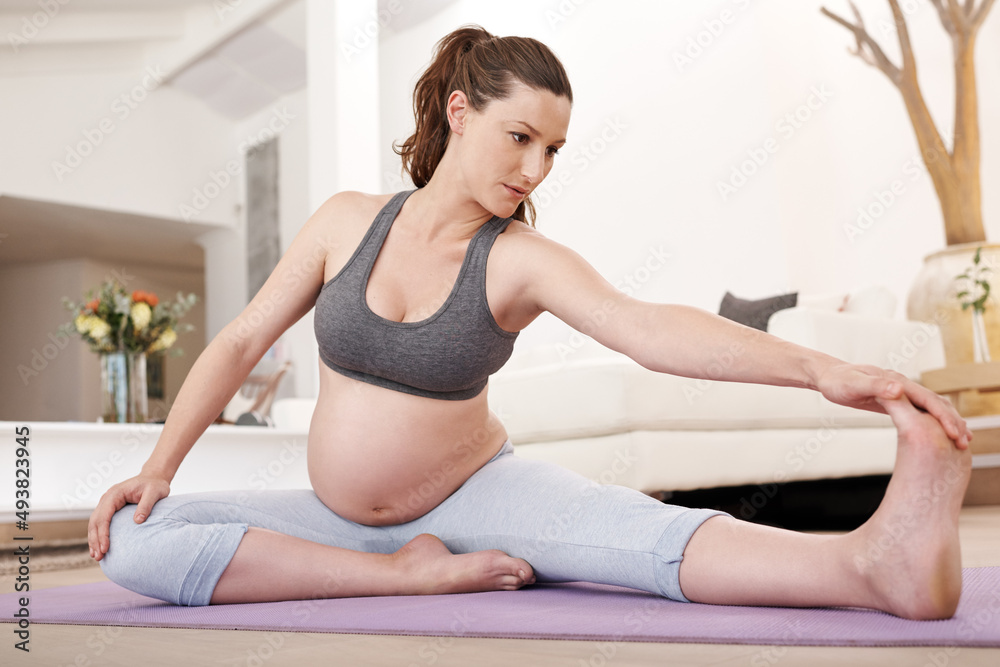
(483,67)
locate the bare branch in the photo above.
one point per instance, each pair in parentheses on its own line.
(909,64)
(958,17)
(874,56)
(859,48)
(980,15)
(945,19)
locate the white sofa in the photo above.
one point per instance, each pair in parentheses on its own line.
(600,413)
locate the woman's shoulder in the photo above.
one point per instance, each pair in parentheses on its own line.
(521,245)
(521,237)
(352,203)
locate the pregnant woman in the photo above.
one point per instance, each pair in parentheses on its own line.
(419,297)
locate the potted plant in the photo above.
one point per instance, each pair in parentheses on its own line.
(954,172)
(973,294)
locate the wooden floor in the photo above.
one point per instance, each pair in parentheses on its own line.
(86,645)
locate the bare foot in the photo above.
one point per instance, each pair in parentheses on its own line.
(428,568)
(908,552)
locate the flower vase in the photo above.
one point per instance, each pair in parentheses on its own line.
(123,387)
(980,344)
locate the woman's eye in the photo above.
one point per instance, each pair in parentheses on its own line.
(553,152)
(519,137)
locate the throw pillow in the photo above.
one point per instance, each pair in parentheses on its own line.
(755,313)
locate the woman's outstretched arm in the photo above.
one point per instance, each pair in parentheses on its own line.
(221,369)
(687,341)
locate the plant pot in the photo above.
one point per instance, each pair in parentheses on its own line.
(123,388)
(933,298)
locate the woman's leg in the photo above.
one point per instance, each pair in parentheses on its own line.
(271,566)
(566,526)
(904,560)
(280,545)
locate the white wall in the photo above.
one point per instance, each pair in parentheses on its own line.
(680,129)
(141,147)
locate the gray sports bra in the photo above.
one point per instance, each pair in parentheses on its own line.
(449,355)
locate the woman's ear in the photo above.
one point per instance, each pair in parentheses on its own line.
(457,110)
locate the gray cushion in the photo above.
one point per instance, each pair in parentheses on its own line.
(755,313)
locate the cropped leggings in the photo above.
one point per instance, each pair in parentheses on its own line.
(566,526)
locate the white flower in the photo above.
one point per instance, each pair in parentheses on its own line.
(99,329)
(141,314)
(166,339)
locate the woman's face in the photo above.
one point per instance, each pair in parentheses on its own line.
(509,147)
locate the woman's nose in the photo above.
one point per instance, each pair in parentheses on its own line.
(533,166)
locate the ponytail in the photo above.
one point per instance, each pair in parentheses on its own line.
(483,67)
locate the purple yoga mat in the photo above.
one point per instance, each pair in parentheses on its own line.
(552,611)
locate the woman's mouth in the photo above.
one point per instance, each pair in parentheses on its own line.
(516,192)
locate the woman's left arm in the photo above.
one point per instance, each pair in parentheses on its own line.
(690,342)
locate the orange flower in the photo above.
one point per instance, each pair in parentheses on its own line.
(92,305)
(147,297)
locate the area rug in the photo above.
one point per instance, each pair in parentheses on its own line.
(545,611)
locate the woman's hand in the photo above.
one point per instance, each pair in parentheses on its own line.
(864,386)
(143,489)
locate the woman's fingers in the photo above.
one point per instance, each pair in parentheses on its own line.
(149,498)
(100,521)
(938,407)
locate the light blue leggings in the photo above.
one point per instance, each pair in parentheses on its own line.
(567,527)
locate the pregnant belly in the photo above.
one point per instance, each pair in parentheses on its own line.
(381,457)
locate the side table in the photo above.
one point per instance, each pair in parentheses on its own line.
(958,382)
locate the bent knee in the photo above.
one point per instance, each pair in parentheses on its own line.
(122,538)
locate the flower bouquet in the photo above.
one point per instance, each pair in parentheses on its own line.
(123,328)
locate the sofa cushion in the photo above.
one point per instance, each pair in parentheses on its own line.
(754,313)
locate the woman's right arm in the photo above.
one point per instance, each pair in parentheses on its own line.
(289,293)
